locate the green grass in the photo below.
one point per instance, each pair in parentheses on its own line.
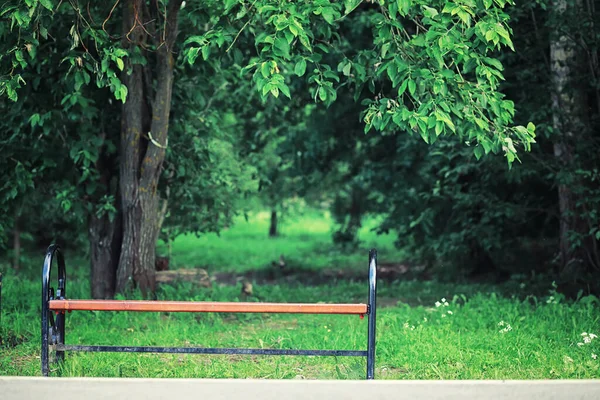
(415,339)
(305,241)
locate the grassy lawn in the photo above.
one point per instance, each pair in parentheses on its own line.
(479,332)
(305,241)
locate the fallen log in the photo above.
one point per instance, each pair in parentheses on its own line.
(198,276)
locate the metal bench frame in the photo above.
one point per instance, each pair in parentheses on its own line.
(53,329)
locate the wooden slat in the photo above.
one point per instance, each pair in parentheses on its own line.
(201,306)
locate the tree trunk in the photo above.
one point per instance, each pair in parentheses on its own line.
(105,245)
(273,226)
(568,101)
(105,230)
(17,244)
(131,141)
(144,129)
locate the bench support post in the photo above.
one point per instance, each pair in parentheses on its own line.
(53,332)
(372,311)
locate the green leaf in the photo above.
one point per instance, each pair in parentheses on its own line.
(123,92)
(423,131)
(412,86)
(402,88)
(305,42)
(120,63)
(322,93)
(347,68)
(78,81)
(464,17)
(501,31)
(437,55)
(205,52)
(385,48)
(449,8)
(429,12)
(328,15)
(492,36)
(300,68)
(47,4)
(445,118)
(439,128)
(266,88)
(265,69)
(285,90)
(404,6)
(34,119)
(350,5)
(281,47)
(494,63)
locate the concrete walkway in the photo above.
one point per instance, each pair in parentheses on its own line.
(34,388)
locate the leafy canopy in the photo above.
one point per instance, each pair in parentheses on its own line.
(428,67)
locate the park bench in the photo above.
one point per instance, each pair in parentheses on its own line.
(56,303)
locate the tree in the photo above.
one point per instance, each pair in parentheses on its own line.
(578,249)
(426,68)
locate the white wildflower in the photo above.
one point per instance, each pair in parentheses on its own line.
(506,328)
(587,338)
(501,323)
(594,356)
(405,325)
(450,312)
(442,302)
(579,344)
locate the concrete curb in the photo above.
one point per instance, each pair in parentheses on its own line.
(36,388)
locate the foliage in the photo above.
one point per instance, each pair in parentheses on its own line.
(276,97)
(429,66)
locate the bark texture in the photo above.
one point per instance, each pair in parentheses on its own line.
(105,230)
(569,105)
(105,245)
(144,130)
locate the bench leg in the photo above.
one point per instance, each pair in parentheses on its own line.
(61,316)
(52,332)
(372,314)
(45,337)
